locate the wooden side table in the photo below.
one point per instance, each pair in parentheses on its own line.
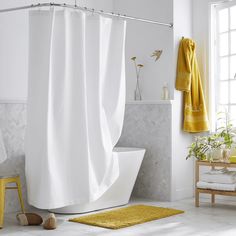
(210,191)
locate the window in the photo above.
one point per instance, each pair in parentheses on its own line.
(224,58)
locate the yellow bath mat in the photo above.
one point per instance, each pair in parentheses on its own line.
(127,216)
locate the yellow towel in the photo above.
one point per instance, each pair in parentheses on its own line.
(189,81)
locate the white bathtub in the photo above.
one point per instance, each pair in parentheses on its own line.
(118,194)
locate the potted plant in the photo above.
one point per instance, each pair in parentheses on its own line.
(223,140)
(227,134)
(203,147)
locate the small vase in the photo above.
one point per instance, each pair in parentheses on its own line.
(209,155)
(216,155)
(226,155)
(137,92)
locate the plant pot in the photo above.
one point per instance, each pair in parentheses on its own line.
(217,155)
(226,155)
(137,93)
(209,155)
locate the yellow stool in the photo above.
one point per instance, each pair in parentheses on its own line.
(4,180)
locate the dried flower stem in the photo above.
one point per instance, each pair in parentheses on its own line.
(137,70)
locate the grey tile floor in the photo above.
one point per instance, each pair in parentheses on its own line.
(206,220)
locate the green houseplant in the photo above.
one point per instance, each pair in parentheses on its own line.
(227,134)
(203,147)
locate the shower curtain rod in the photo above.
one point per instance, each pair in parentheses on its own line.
(76,7)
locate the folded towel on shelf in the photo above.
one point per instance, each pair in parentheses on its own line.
(222,176)
(216,186)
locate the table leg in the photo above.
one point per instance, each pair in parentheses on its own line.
(20,194)
(212,198)
(196,198)
(196,181)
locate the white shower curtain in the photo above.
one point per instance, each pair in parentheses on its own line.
(76,102)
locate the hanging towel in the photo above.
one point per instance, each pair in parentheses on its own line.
(3,154)
(189,81)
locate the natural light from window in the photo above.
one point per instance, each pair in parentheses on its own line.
(224,47)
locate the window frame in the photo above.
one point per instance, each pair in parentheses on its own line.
(215,61)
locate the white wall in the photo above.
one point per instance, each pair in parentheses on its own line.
(182,170)
(142,39)
(14,46)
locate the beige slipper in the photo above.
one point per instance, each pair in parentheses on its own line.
(50,222)
(25,219)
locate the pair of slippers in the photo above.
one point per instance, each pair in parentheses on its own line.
(25,219)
